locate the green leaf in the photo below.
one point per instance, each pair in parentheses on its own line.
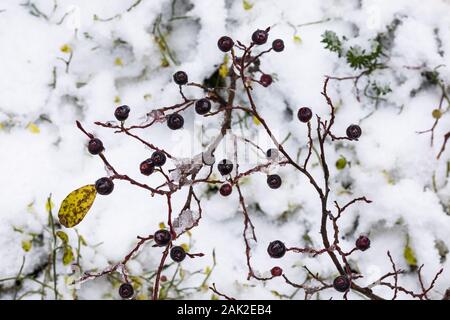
(76,205)
(68,255)
(410,256)
(247,5)
(341,163)
(332,42)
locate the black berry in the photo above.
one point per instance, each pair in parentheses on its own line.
(276,271)
(274,181)
(341,283)
(202,106)
(177,254)
(159,158)
(95,146)
(260,37)
(162,237)
(104,186)
(175,121)
(272,154)
(225,190)
(180,78)
(225,43)
(122,113)
(353,132)
(265,80)
(126,291)
(304,114)
(225,167)
(276,249)
(278,45)
(147,167)
(362,243)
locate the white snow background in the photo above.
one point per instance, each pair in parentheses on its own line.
(391,164)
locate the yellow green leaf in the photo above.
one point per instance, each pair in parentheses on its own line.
(436,113)
(297,39)
(164,62)
(162,225)
(341,163)
(63,236)
(214,297)
(26,245)
(185,246)
(118,61)
(223,70)
(82,240)
(247,5)
(410,256)
(207,270)
(256,121)
(68,255)
(33,128)
(49,205)
(76,205)
(66,48)
(116,99)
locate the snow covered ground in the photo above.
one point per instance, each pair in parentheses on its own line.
(116,57)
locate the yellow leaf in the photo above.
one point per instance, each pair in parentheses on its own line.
(118,62)
(49,205)
(223,70)
(410,256)
(33,128)
(76,205)
(162,225)
(164,62)
(68,255)
(247,5)
(66,48)
(26,245)
(185,246)
(256,121)
(297,39)
(82,240)
(116,99)
(63,236)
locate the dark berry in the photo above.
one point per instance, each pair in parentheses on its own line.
(353,132)
(265,80)
(104,186)
(202,106)
(177,254)
(163,278)
(180,78)
(147,167)
(175,121)
(304,114)
(122,113)
(225,43)
(95,146)
(126,291)
(159,158)
(278,45)
(362,243)
(272,154)
(341,283)
(162,237)
(276,271)
(274,181)
(225,167)
(276,249)
(260,37)
(226,189)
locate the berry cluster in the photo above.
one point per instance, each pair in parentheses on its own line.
(244,65)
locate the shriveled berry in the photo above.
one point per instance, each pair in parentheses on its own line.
(274,181)
(341,283)
(304,114)
(177,254)
(226,189)
(202,106)
(147,167)
(162,237)
(276,249)
(95,146)
(180,78)
(126,291)
(276,271)
(362,243)
(225,167)
(265,80)
(122,113)
(260,36)
(354,132)
(163,278)
(175,121)
(225,43)
(104,186)
(278,45)
(272,154)
(159,158)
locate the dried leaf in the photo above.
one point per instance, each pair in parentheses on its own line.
(76,205)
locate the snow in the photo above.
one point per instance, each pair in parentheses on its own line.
(391,164)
